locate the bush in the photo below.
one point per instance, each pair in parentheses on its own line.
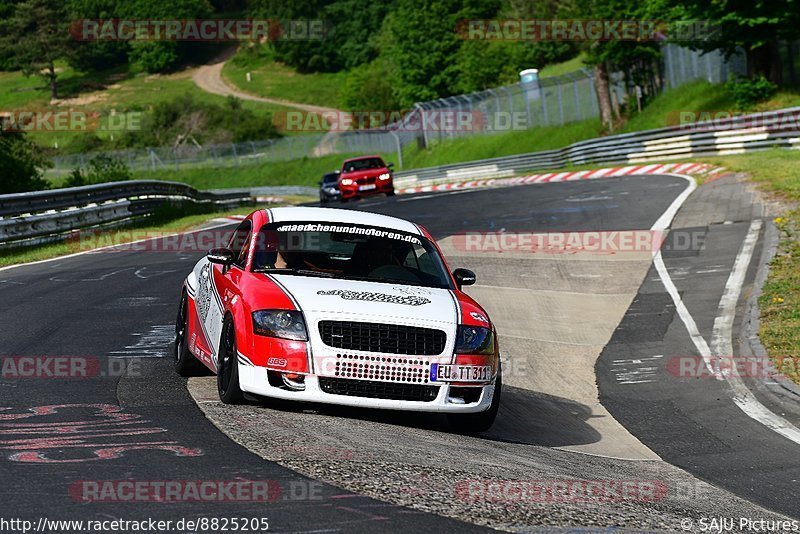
(22,163)
(102,168)
(747,92)
(185,120)
(369,87)
(86,142)
(155,56)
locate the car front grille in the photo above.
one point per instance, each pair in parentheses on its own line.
(380,337)
(382,368)
(378,390)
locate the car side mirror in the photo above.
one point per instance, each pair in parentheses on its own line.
(319,184)
(464,277)
(220,256)
(390,165)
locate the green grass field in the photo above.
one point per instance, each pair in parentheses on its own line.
(557,69)
(101,93)
(271,79)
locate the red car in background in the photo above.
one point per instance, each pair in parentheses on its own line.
(364,176)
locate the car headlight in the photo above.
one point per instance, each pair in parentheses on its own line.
(384,176)
(474,340)
(286,324)
(347,181)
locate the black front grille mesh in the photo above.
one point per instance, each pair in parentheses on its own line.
(378,390)
(380,337)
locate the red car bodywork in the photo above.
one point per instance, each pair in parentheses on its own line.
(360,183)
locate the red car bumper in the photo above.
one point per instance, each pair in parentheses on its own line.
(377,187)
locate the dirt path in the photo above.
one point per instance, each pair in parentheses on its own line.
(209,78)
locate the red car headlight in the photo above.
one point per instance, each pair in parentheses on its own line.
(347,181)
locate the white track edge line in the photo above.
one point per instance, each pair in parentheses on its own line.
(722,345)
(743,397)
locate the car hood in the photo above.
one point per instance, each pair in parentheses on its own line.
(366,173)
(320,298)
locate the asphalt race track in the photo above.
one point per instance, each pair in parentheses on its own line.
(567,322)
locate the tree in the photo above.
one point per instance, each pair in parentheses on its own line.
(101,54)
(636,59)
(756,26)
(38,34)
(421,44)
(160,56)
(22,163)
(369,87)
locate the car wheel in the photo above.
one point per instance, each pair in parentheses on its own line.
(342,200)
(469,423)
(391,193)
(185,362)
(228,367)
(323,200)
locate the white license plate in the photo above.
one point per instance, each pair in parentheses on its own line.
(460,373)
(366,187)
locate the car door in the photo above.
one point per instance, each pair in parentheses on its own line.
(227,279)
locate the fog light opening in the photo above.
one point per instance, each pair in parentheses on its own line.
(294,381)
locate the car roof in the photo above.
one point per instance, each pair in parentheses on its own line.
(363,157)
(333,215)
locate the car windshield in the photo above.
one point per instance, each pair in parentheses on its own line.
(330,178)
(363,164)
(350,252)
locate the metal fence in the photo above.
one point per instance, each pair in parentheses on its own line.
(552,101)
(238,154)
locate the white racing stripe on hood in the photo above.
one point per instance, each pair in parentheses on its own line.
(370,301)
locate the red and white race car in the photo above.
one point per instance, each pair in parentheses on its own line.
(341,307)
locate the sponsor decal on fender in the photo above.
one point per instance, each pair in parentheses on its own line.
(407,300)
(479,317)
(277,362)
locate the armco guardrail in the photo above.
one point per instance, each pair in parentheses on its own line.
(45,216)
(735,135)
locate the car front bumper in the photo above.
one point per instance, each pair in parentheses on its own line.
(254,380)
(381,186)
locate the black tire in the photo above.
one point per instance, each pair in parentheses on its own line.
(228,367)
(342,200)
(391,193)
(185,362)
(469,423)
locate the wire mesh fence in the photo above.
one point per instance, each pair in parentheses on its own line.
(551,101)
